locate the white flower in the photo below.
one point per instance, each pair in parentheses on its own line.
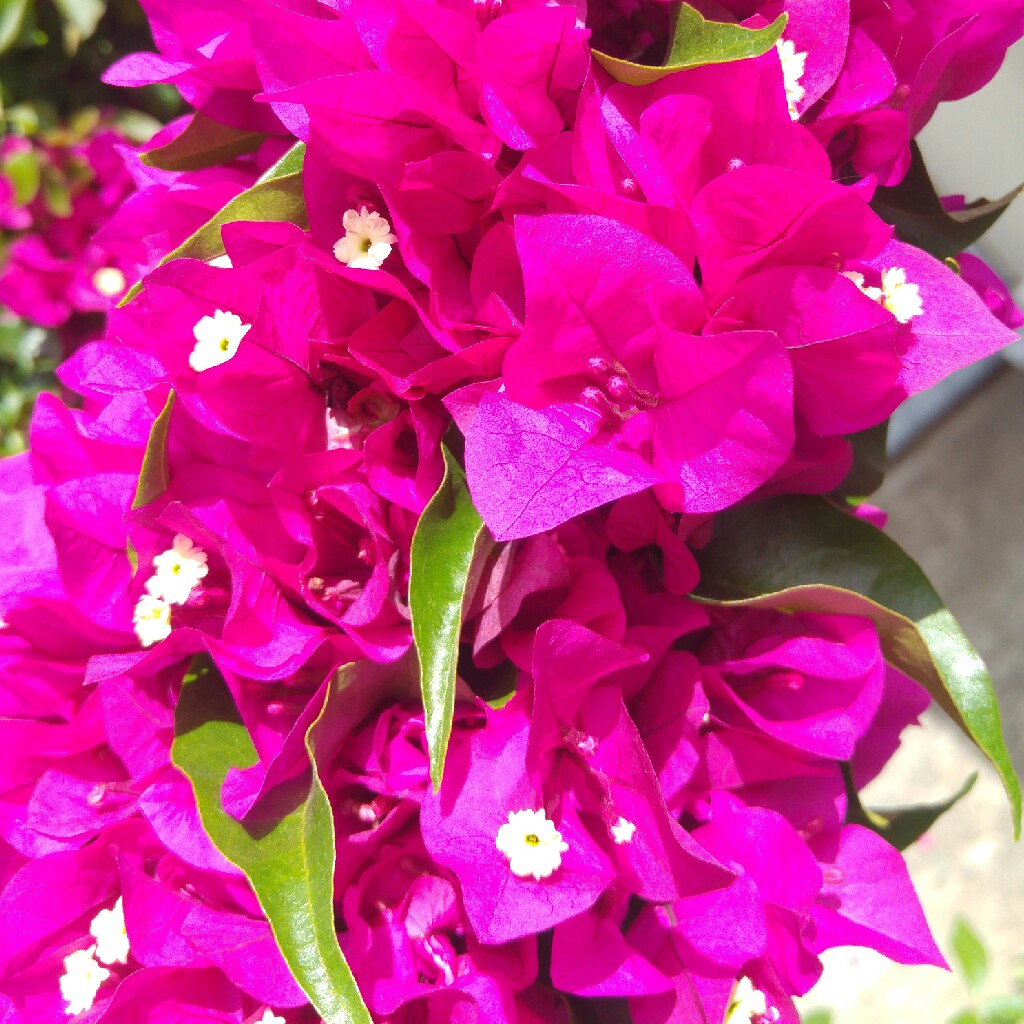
(111,936)
(217,339)
(269,1017)
(532,844)
(109,282)
(368,239)
(178,571)
(81,980)
(152,619)
(792,71)
(748,1005)
(901,298)
(223,262)
(622,831)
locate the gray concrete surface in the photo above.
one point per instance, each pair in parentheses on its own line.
(956,503)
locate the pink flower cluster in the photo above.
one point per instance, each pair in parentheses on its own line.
(640,305)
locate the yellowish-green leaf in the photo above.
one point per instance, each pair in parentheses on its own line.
(288,852)
(696,41)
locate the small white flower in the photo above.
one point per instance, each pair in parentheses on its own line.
(217,339)
(269,1017)
(368,239)
(109,282)
(223,262)
(793,64)
(622,831)
(875,294)
(900,297)
(748,1005)
(152,619)
(178,571)
(111,936)
(81,980)
(532,844)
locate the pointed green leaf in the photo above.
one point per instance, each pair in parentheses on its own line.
(204,143)
(696,42)
(800,553)
(277,196)
(443,547)
(12,18)
(901,826)
(155,475)
(969,955)
(287,853)
(913,207)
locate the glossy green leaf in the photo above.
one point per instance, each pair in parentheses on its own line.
(913,207)
(443,548)
(800,553)
(901,826)
(12,18)
(155,475)
(287,853)
(969,955)
(696,42)
(204,143)
(277,196)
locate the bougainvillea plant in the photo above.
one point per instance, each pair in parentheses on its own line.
(451,596)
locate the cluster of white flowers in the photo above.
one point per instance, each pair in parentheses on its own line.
(897,294)
(84,972)
(179,570)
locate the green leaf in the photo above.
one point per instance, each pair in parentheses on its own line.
(696,42)
(155,475)
(800,553)
(969,955)
(204,143)
(277,196)
(443,549)
(288,853)
(12,18)
(901,826)
(22,170)
(913,207)
(869,463)
(819,1015)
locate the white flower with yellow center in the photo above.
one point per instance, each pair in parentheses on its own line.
(152,620)
(269,1017)
(111,936)
(793,65)
(81,981)
(622,831)
(532,844)
(109,282)
(178,571)
(748,1005)
(368,239)
(217,339)
(898,295)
